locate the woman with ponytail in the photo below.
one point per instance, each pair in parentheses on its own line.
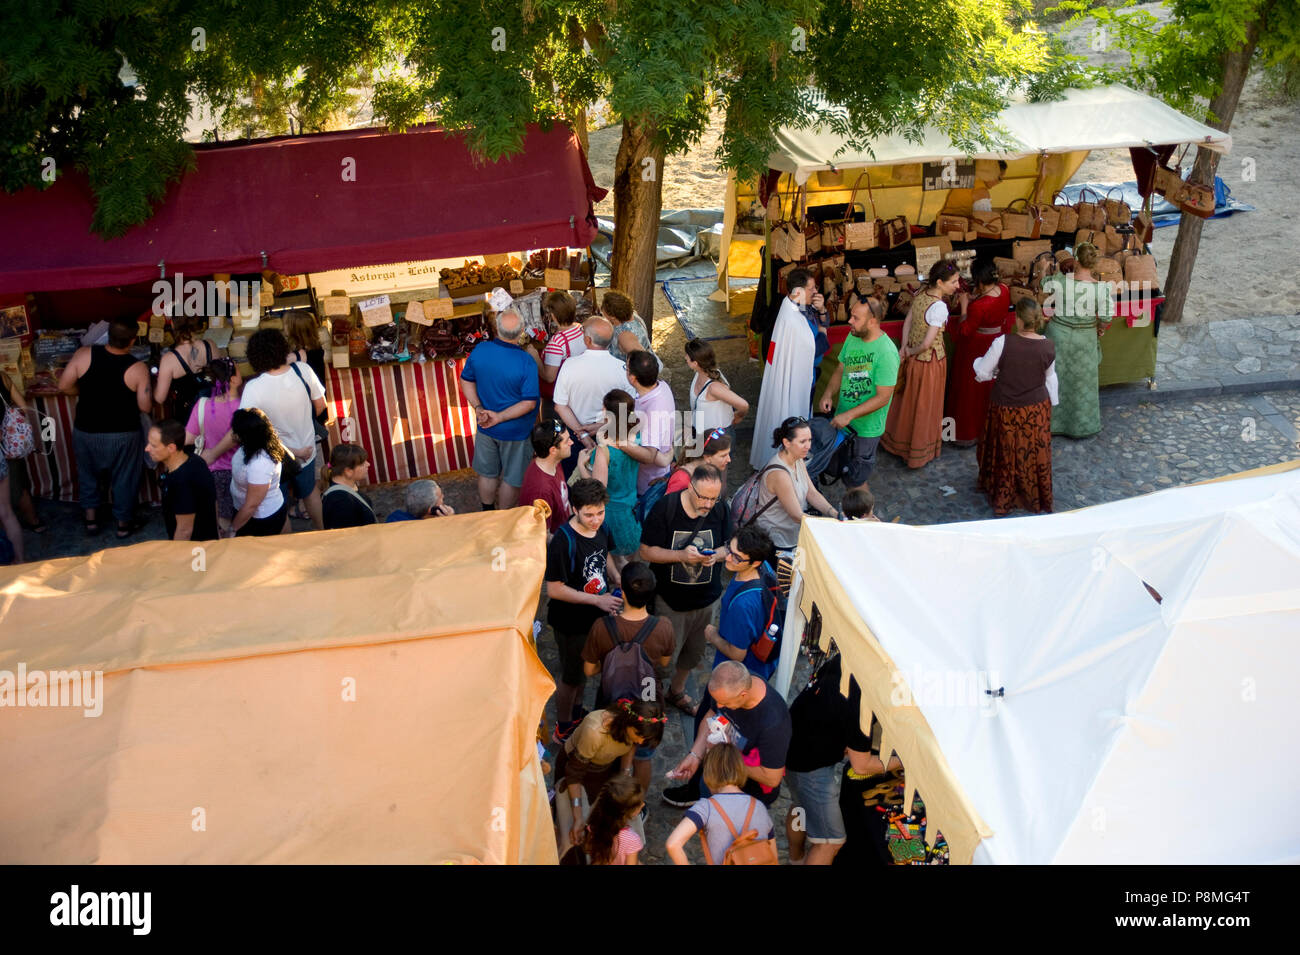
(714,405)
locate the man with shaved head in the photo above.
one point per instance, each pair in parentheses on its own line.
(759,726)
(582,384)
(500,383)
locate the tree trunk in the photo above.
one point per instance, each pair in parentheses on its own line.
(638,196)
(1236,67)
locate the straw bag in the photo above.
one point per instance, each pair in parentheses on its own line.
(987,225)
(1009,268)
(1018,292)
(1167,182)
(1025,251)
(1118,212)
(1069,217)
(1050,218)
(861,235)
(1108,269)
(1091,214)
(1023,222)
(946,222)
(1141,267)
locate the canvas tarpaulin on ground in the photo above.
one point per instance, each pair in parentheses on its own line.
(1116,708)
(368,695)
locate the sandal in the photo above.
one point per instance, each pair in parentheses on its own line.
(92,526)
(683,702)
(126,530)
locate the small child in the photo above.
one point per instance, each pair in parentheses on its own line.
(608,839)
(859,505)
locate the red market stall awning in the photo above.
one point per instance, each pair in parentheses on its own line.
(310,203)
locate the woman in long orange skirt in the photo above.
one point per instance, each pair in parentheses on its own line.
(1015,450)
(913,428)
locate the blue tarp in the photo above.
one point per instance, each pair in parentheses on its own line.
(1162,213)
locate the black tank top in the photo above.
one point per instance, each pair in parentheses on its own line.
(105,405)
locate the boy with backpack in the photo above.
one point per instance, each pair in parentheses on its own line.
(580,583)
(625,647)
(751,606)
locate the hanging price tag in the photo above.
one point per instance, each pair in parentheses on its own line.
(516,286)
(415,313)
(376,311)
(557,278)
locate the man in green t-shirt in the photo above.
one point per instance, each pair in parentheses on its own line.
(863,383)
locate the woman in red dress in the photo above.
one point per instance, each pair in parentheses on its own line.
(987,316)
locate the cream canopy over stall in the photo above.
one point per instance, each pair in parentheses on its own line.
(1065,130)
(1048,707)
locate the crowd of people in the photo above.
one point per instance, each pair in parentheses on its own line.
(1021,375)
(640,530)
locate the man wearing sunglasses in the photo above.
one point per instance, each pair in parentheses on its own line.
(684,540)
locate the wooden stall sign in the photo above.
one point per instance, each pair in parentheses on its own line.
(337,303)
(557,278)
(438,308)
(415,313)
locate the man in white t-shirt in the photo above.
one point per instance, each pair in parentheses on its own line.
(290,395)
(585,379)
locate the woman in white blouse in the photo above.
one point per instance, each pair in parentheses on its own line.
(1015,449)
(713,404)
(260,509)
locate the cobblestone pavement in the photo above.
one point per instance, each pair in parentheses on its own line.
(1229,350)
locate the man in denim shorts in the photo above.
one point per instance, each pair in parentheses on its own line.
(826,728)
(500,383)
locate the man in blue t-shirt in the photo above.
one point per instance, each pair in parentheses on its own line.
(743,618)
(500,382)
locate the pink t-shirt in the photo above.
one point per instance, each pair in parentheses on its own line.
(657,408)
(628,843)
(216,424)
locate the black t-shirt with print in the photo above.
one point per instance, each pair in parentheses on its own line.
(578,562)
(190,490)
(825,721)
(687,586)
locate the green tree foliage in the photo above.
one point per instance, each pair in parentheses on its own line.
(491,67)
(1181,60)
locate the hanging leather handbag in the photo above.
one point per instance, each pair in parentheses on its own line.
(1196,199)
(1168,183)
(862,235)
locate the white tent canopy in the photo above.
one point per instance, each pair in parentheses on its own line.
(1123,716)
(1105,117)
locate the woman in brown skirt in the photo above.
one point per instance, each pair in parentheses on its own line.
(913,428)
(1015,449)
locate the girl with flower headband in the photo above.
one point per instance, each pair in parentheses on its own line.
(208,424)
(603,743)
